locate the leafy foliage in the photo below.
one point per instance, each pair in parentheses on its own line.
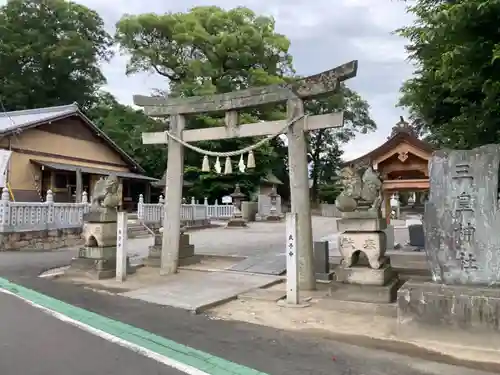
(324,144)
(50,53)
(454,95)
(125,126)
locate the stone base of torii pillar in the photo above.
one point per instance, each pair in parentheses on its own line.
(186,250)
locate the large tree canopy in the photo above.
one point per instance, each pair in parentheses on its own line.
(454,95)
(210,50)
(50,53)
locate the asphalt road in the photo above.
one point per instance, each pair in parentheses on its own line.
(35,343)
(32,342)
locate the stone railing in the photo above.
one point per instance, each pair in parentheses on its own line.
(33,216)
(192,213)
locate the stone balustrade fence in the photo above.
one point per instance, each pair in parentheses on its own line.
(33,216)
(192,212)
(49,215)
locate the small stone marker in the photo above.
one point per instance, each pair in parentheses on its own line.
(416,232)
(121,247)
(292,290)
(322,261)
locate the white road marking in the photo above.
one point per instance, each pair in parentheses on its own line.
(114,339)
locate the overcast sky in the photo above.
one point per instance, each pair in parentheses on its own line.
(324,34)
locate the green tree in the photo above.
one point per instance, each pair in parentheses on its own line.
(125,125)
(454,95)
(50,53)
(210,50)
(324,144)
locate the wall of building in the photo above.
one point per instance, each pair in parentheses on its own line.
(67,141)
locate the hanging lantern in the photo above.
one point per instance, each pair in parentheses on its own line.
(228,168)
(251,160)
(241,164)
(205,166)
(217,166)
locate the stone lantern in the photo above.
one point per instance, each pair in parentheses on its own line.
(237,220)
(273,211)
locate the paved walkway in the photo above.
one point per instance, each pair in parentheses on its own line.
(260,239)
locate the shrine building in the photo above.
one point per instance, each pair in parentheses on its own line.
(402,162)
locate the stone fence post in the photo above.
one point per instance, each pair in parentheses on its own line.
(49,201)
(4,210)
(140,207)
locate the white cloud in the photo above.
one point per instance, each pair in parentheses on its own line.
(324,34)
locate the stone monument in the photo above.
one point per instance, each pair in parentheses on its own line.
(186,250)
(365,273)
(97,258)
(237,221)
(462,242)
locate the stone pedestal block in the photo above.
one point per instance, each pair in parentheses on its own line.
(186,252)
(365,293)
(361,225)
(103,215)
(99,234)
(236,222)
(365,275)
(96,268)
(372,244)
(108,252)
(451,312)
(362,215)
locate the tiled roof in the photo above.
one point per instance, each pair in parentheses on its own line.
(10,121)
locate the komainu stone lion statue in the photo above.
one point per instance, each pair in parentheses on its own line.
(359,190)
(105,193)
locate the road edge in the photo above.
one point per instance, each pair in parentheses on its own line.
(181,357)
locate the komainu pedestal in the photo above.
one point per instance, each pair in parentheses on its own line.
(462,242)
(97,258)
(365,274)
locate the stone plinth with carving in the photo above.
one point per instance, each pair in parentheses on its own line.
(462,242)
(97,258)
(365,274)
(186,250)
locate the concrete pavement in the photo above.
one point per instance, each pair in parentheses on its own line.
(265,349)
(34,343)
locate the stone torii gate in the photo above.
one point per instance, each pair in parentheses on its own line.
(293,94)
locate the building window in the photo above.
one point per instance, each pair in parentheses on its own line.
(61,181)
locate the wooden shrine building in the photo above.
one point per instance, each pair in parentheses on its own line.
(402,162)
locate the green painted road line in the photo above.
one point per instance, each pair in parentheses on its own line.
(181,353)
